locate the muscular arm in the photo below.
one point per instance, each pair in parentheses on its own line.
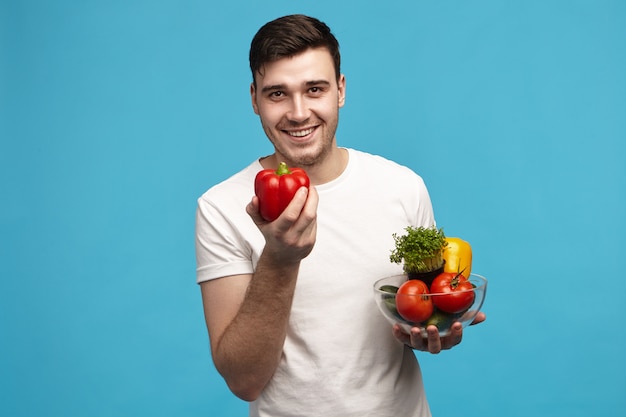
(247,315)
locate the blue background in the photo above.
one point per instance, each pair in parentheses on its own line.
(116,116)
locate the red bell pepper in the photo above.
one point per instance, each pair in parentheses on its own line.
(276,188)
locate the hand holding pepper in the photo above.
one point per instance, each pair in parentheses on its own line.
(276,188)
(291,237)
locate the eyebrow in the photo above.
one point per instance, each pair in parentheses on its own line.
(311,83)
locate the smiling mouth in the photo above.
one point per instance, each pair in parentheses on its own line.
(300,133)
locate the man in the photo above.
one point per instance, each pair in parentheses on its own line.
(288,304)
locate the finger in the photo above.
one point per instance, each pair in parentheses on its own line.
(309,211)
(305,224)
(455,336)
(253,211)
(312,200)
(399,334)
(292,212)
(480,317)
(418,341)
(413,340)
(434,341)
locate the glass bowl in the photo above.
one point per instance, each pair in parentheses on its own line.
(386,300)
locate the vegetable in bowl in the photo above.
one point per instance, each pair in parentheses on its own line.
(420,251)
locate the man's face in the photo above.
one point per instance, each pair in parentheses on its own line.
(298,101)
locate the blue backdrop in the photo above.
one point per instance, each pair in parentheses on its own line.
(116,116)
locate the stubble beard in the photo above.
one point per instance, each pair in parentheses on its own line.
(305,156)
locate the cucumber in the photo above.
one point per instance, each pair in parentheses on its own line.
(390,303)
(441,319)
(392,289)
(390,299)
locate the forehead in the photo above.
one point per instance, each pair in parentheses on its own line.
(312,64)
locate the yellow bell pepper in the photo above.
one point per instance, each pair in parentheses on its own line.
(458,256)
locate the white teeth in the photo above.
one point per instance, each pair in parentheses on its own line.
(301,133)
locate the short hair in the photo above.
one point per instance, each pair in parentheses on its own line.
(288,36)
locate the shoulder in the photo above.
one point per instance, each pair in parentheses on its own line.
(236,187)
(395,183)
(382,167)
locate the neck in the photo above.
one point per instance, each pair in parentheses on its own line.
(322,171)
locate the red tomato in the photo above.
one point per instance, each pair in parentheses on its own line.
(459,294)
(413,302)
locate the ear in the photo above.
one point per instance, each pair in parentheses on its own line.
(255,107)
(341,85)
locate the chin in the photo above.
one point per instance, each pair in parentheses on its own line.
(307,157)
(304,154)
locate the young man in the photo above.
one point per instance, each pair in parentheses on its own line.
(288,304)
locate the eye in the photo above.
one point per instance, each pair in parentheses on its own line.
(316,90)
(276,94)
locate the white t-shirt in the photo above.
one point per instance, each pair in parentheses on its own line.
(340,357)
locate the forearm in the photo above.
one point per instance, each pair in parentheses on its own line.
(250,348)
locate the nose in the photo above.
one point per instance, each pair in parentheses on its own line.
(299,110)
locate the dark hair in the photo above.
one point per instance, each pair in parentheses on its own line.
(288,36)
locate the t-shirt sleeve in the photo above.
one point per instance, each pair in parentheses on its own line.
(220,249)
(425,216)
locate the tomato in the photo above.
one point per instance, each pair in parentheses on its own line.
(459,294)
(413,301)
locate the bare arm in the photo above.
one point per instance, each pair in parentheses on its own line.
(247,315)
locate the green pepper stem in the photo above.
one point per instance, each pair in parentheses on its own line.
(282,169)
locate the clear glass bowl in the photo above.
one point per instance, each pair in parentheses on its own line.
(386,301)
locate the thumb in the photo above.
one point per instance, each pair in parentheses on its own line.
(253,211)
